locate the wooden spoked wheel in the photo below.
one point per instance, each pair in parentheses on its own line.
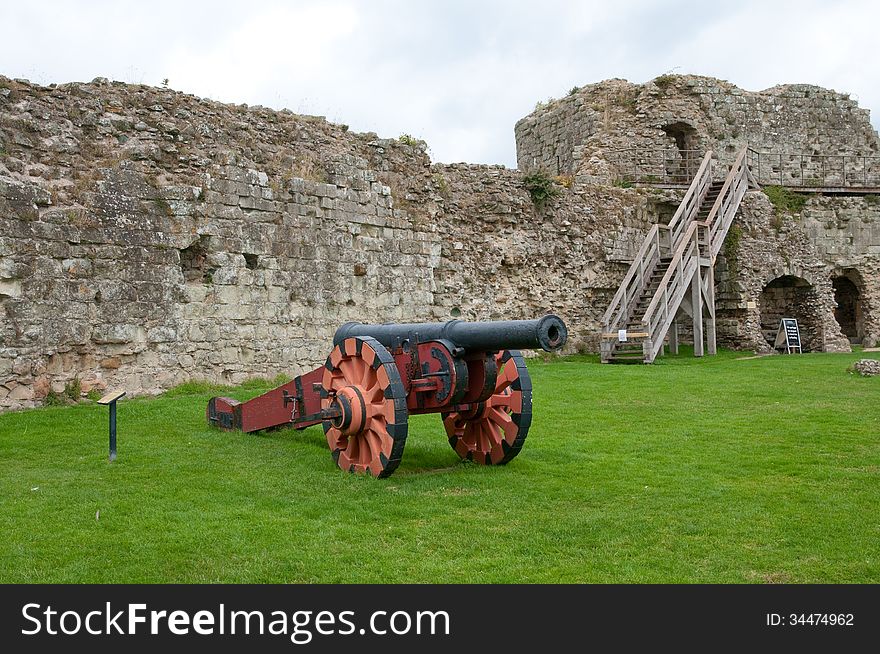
(493,432)
(362,386)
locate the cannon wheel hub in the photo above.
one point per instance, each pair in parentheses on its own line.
(352,410)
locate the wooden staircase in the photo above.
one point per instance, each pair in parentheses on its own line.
(672,273)
(631,351)
(709,201)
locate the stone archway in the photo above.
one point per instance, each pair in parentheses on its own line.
(789,296)
(848,310)
(684,136)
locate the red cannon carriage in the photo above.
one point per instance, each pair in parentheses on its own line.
(377,375)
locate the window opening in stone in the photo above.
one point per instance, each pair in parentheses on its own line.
(252,261)
(848,311)
(683,167)
(194,262)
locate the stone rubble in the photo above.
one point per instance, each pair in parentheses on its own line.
(867,367)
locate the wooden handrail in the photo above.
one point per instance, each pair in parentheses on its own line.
(676,258)
(689,210)
(630,275)
(703,170)
(692,197)
(693,243)
(686,266)
(719,229)
(689,243)
(733,174)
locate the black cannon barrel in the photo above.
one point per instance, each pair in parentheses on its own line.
(547,333)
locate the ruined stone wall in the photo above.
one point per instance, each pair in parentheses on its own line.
(845,234)
(502,258)
(563,135)
(145,290)
(828,237)
(600,132)
(148,237)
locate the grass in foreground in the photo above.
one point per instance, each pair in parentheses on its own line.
(712,470)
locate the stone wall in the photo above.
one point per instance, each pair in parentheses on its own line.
(600,132)
(149,237)
(504,259)
(564,135)
(814,245)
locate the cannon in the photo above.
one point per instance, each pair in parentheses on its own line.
(471,373)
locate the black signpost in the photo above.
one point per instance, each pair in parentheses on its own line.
(111,399)
(789,336)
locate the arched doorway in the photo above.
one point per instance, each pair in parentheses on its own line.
(684,136)
(848,311)
(788,297)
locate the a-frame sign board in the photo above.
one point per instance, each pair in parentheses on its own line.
(788,336)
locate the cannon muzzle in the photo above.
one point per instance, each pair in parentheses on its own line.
(548,333)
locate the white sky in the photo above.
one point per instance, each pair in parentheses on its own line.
(458,74)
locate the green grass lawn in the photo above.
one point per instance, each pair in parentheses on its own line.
(690,470)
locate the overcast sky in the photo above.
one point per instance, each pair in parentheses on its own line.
(457,74)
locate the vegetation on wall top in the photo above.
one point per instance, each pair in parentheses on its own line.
(541,186)
(785,200)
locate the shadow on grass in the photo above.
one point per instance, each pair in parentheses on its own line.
(426,452)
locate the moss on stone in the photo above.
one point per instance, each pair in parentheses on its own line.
(785,200)
(731,247)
